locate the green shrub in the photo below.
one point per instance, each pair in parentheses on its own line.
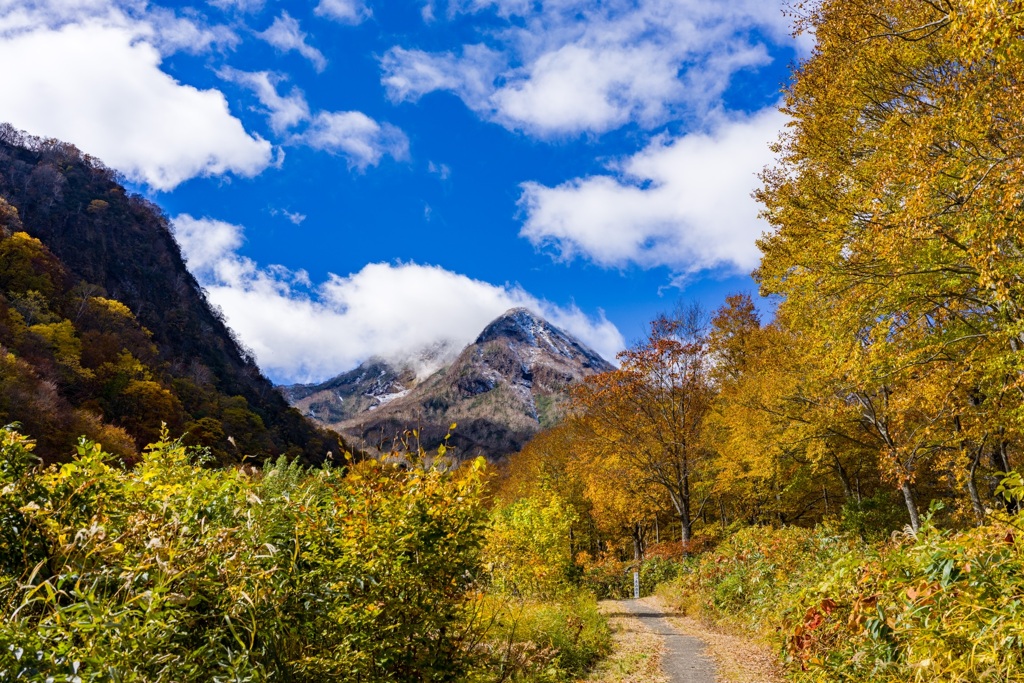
(750,576)
(873,519)
(654,572)
(173,572)
(944,606)
(527,549)
(609,579)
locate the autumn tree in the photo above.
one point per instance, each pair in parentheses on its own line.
(554,464)
(787,447)
(651,414)
(896,213)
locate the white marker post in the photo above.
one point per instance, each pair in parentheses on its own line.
(636,584)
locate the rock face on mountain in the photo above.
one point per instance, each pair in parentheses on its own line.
(369,386)
(501,389)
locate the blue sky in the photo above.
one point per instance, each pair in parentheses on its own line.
(371,177)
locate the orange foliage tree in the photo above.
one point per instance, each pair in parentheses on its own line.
(649,416)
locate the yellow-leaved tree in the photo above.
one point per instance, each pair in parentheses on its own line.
(897,241)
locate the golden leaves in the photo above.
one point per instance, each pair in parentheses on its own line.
(898,245)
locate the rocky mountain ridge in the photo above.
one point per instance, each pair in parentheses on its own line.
(508,384)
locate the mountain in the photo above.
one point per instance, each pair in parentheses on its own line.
(374,383)
(501,390)
(104,332)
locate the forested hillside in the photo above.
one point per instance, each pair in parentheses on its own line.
(104,331)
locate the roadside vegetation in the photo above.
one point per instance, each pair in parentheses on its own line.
(369,571)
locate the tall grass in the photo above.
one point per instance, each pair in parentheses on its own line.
(173,572)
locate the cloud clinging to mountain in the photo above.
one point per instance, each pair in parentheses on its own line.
(301,331)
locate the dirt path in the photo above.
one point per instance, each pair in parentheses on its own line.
(636,651)
(653,644)
(684,659)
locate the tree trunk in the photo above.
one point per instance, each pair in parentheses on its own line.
(972,486)
(1001,461)
(844,478)
(685,519)
(908,498)
(686,530)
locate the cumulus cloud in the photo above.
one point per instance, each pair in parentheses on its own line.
(206,243)
(283,111)
(350,12)
(579,88)
(683,203)
(356,136)
(304,332)
(570,67)
(97,82)
(286,35)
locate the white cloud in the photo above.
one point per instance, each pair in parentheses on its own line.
(240,5)
(283,111)
(171,33)
(427,12)
(683,203)
(568,67)
(286,35)
(576,88)
(352,134)
(206,243)
(158,26)
(304,333)
(350,12)
(293,217)
(356,136)
(410,74)
(97,83)
(442,171)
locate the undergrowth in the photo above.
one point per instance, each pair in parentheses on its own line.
(174,571)
(942,606)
